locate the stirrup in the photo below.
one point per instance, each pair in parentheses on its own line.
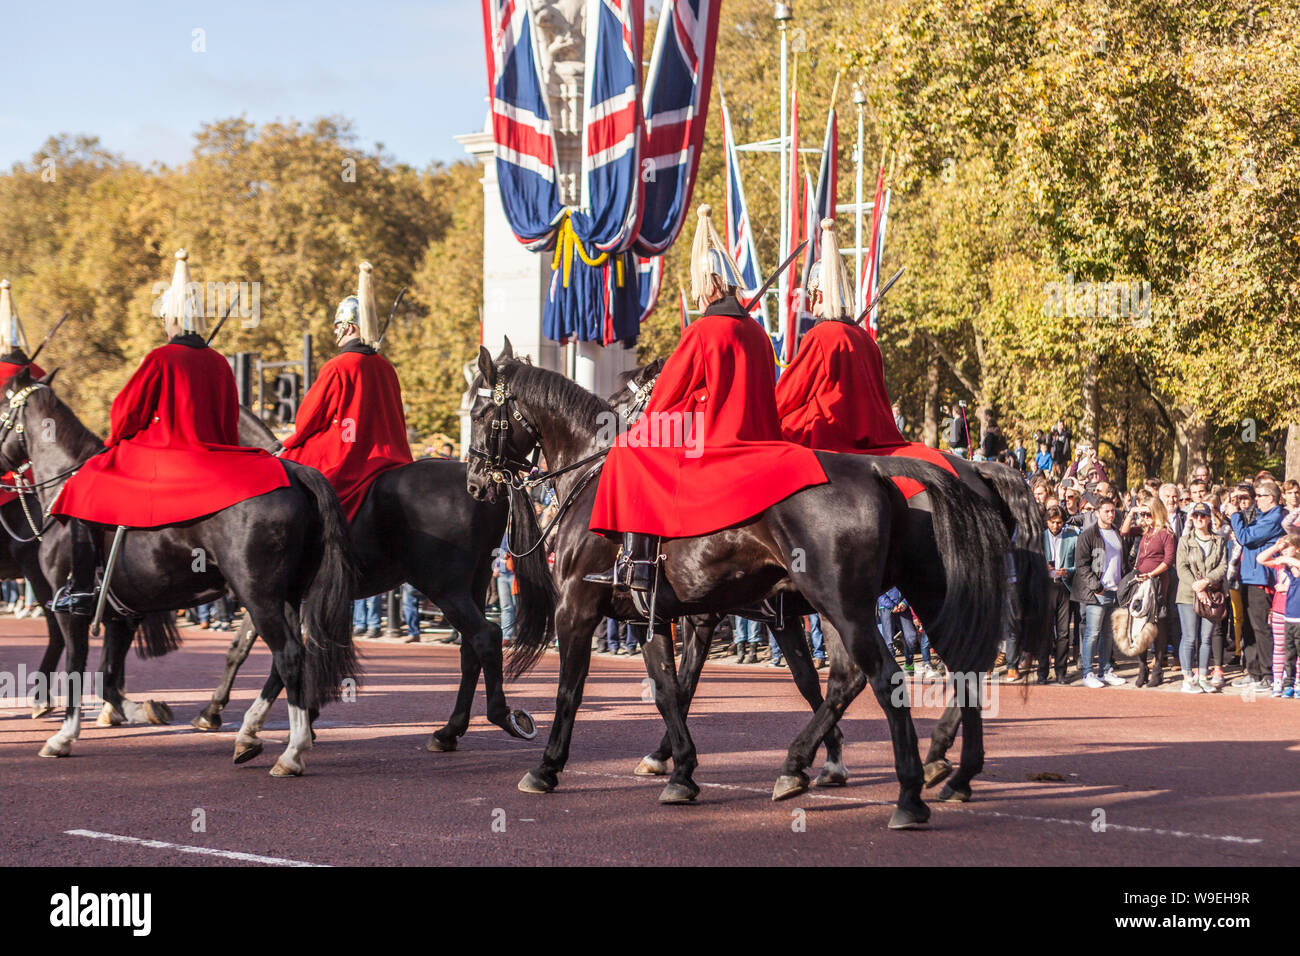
(66,601)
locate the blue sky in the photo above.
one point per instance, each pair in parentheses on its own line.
(409,75)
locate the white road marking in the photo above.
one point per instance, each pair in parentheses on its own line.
(955,808)
(183,848)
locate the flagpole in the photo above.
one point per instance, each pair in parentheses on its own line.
(859,100)
(783,14)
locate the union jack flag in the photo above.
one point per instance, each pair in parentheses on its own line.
(676,109)
(740,237)
(650,271)
(611,137)
(521,123)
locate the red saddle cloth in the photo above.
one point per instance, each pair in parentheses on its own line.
(832,397)
(707,453)
(173,452)
(351,427)
(7,371)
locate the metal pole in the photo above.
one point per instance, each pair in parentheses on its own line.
(108,576)
(308,374)
(858,99)
(784,242)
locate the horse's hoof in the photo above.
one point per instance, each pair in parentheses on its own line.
(909,818)
(679,792)
(520,724)
(651,766)
(206,723)
(245,752)
(157,712)
(832,775)
(950,795)
(109,717)
(40,710)
(936,772)
(789,785)
(282,769)
(534,783)
(440,745)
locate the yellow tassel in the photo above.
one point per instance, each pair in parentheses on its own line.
(566,243)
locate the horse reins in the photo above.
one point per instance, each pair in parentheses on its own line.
(11,422)
(521,476)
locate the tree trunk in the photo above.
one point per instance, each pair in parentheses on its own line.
(930,428)
(1191,437)
(1293,451)
(1090,426)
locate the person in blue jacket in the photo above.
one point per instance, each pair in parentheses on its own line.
(1256,529)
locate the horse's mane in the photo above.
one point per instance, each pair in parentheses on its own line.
(66,422)
(555,392)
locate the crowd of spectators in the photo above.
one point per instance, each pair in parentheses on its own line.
(1219,558)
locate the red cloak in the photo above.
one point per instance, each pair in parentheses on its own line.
(173,452)
(832,397)
(7,371)
(351,427)
(707,453)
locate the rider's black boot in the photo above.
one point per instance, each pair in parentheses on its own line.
(634,567)
(78,596)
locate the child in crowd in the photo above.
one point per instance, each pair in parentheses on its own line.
(1284,559)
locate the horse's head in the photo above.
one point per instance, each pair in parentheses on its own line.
(634,394)
(501,437)
(20,407)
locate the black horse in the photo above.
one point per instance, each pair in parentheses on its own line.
(285,554)
(417,524)
(837,545)
(1028,614)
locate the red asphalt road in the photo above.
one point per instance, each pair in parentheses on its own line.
(1182,780)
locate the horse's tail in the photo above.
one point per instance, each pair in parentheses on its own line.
(156,634)
(535,603)
(1033,584)
(971,541)
(331,657)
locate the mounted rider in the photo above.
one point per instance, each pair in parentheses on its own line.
(351,426)
(173,452)
(832,396)
(707,454)
(12,361)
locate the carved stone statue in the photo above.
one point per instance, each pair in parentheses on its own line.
(562,45)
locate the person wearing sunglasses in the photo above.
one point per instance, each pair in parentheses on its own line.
(1202,567)
(1256,535)
(1156,552)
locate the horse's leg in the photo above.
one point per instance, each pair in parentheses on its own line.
(444,740)
(288,655)
(77,630)
(117,642)
(659,664)
(845,683)
(886,679)
(43,701)
(575,622)
(972,756)
(697,636)
(937,768)
(480,648)
(247,744)
(210,717)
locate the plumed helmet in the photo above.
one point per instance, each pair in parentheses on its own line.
(181,304)
(359,309)
(709,257)
(10,326)
(829,276)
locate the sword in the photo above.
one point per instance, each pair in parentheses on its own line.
(774,276)
(48,335)
(108,575)
(879,295)
(222,320)
(396,303)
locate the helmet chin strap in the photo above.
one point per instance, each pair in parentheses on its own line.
(341,332)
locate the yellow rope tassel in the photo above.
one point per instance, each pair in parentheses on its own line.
(567,242)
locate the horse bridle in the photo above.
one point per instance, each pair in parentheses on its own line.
(504,468)
(10,422)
